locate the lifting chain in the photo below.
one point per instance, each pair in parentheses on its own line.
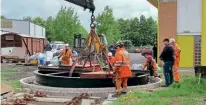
(93,25)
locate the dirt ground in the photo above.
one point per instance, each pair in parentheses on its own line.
(19,71)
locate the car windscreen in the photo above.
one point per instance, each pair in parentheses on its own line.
(54,46)
(61,46)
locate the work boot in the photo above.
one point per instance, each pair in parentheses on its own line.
(164,86)
(116,95)
(124,91)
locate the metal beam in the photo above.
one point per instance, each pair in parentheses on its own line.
(86,4)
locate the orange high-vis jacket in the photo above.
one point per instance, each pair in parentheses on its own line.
(66,55)
(122,63)
(177,61)
(153,64)
(177,50)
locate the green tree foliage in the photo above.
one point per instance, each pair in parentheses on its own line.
(3,17)
(28,18)
(39,21)
(141,31)
(62,27)
(66,24)
(106,24)
(83,31)
(49,27)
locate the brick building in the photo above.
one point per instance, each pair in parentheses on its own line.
(184,20)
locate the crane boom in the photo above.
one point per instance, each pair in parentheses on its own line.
(86,4)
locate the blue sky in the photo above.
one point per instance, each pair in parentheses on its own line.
(17,9)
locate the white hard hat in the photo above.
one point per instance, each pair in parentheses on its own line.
(172,40)
(109,54)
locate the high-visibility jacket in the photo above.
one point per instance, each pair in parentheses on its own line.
(66,55)
(176,50)
(122,63)
(153,64)
(177,61)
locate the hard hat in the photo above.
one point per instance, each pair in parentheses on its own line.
(119,44)
(149,57)
(172,40)
(109,54)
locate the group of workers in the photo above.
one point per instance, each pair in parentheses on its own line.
(171,58)
(120,63)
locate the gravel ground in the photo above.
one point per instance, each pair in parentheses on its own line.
(19,71)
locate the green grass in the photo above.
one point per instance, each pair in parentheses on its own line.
(188,92)
(7,72)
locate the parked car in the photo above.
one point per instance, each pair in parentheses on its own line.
(146,51)
(137,50)
(57,47)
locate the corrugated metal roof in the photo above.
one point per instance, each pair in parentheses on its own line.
(23,35)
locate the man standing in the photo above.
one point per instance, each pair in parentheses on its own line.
(167,56)
(66,56)
(177,51)
(47,47)
(155,51)
(122,68)
(112,49)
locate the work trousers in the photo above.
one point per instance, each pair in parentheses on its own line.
(176,71)
(168,72)
(121,82)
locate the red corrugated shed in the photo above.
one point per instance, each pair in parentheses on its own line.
(34,44)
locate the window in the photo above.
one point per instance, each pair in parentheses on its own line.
(10,37)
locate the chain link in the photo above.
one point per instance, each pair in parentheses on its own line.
(92,25)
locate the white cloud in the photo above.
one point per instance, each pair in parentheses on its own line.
(44,8)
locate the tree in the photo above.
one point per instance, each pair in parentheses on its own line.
(38,21)
(106,24)
(123,26)
(49,27)
(28,18)
(82,30)
(152,30)
(3,17)
(66,24)
(143,30)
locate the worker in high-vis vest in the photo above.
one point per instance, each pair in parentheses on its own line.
(66,55)
(150,65)
(177,51)
(122,69)
(111,58)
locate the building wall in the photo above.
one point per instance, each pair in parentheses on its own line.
(186,43)
(203,44)
(189,17)
(38,31)
(23,27)
(17,26)
(32,29)
(167,22)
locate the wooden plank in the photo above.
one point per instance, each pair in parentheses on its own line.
(88,102)
(5,88)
